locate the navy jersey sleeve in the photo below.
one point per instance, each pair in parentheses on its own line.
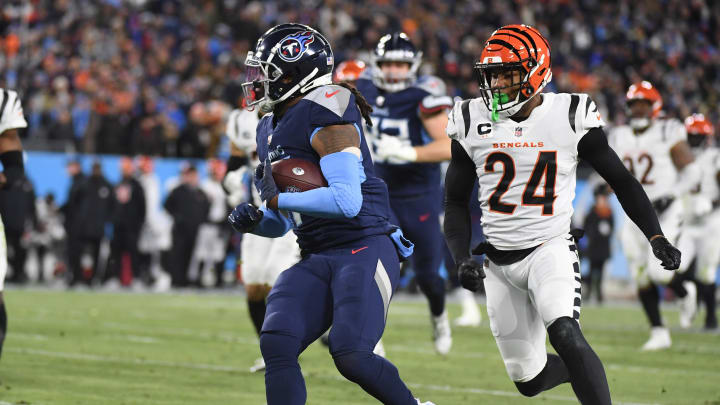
(332,105)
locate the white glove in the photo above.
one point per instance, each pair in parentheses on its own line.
(236,187)
(392,149)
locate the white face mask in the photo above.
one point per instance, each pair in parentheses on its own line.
(639,123)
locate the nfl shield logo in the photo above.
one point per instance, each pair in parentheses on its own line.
(518,131)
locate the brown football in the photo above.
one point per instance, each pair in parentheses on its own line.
(297,175)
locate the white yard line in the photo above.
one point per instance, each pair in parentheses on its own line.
(223,368)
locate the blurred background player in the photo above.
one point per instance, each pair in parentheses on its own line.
(702,218)
(350,251)
(11,157)
(656,152)
(409,142)
(598,227)
(213,235)
(349,72)
(258,271)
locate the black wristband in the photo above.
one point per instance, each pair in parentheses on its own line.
(236,162)
(13,167)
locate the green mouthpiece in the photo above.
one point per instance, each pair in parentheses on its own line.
(498,98)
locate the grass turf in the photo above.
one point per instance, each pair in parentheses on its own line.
(105,348)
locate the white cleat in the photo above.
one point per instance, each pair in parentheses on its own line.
(259,365)
(424,403)
(379,349)
(471,315)
(688,305)
(441,333)
(659,339)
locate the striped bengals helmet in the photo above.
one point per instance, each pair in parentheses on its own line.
(513,47)
(348,71)
(644,90)
(699,130)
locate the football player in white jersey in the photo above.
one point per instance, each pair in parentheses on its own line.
(258,273)
(11,157)
(524,148)
(703,216)
(656,152)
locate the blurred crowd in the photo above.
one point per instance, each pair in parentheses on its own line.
(122,234)
(156,76)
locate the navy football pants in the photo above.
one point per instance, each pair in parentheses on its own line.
(419,218)
(348,287)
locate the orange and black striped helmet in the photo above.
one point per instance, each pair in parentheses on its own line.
(644,90)
(513,47)
(348,71)
(699,130)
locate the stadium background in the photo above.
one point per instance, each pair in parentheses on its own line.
(102,79)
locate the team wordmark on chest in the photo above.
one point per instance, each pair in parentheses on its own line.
(502,145)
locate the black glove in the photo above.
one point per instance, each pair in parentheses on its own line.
(470,274)
(668,254)
(245,217)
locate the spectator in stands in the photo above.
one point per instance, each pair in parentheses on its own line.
(598,228)
(128,218)
(189,207)
(118,67)
(17,209)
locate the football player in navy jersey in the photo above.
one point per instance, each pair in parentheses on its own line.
(408,132)
(350,252)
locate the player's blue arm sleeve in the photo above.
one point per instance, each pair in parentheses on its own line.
(343,196)
(273,224)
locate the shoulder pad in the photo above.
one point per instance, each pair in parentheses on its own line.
(11,111)
(333,97)
(432,85)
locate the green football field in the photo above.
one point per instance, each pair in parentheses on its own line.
(125,348)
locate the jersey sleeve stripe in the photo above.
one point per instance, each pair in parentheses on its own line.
(6,96)
(588,101)
(574,101)
(465,109)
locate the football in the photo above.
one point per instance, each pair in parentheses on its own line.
(297,175)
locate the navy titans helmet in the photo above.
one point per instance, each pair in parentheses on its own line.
(289,59)
(395,47)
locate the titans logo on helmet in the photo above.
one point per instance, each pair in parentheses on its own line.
(293,46)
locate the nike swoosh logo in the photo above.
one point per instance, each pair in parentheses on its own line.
(424,217)
(328,95)
(357,250)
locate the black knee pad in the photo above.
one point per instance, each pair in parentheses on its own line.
(529,388)
(565,333)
